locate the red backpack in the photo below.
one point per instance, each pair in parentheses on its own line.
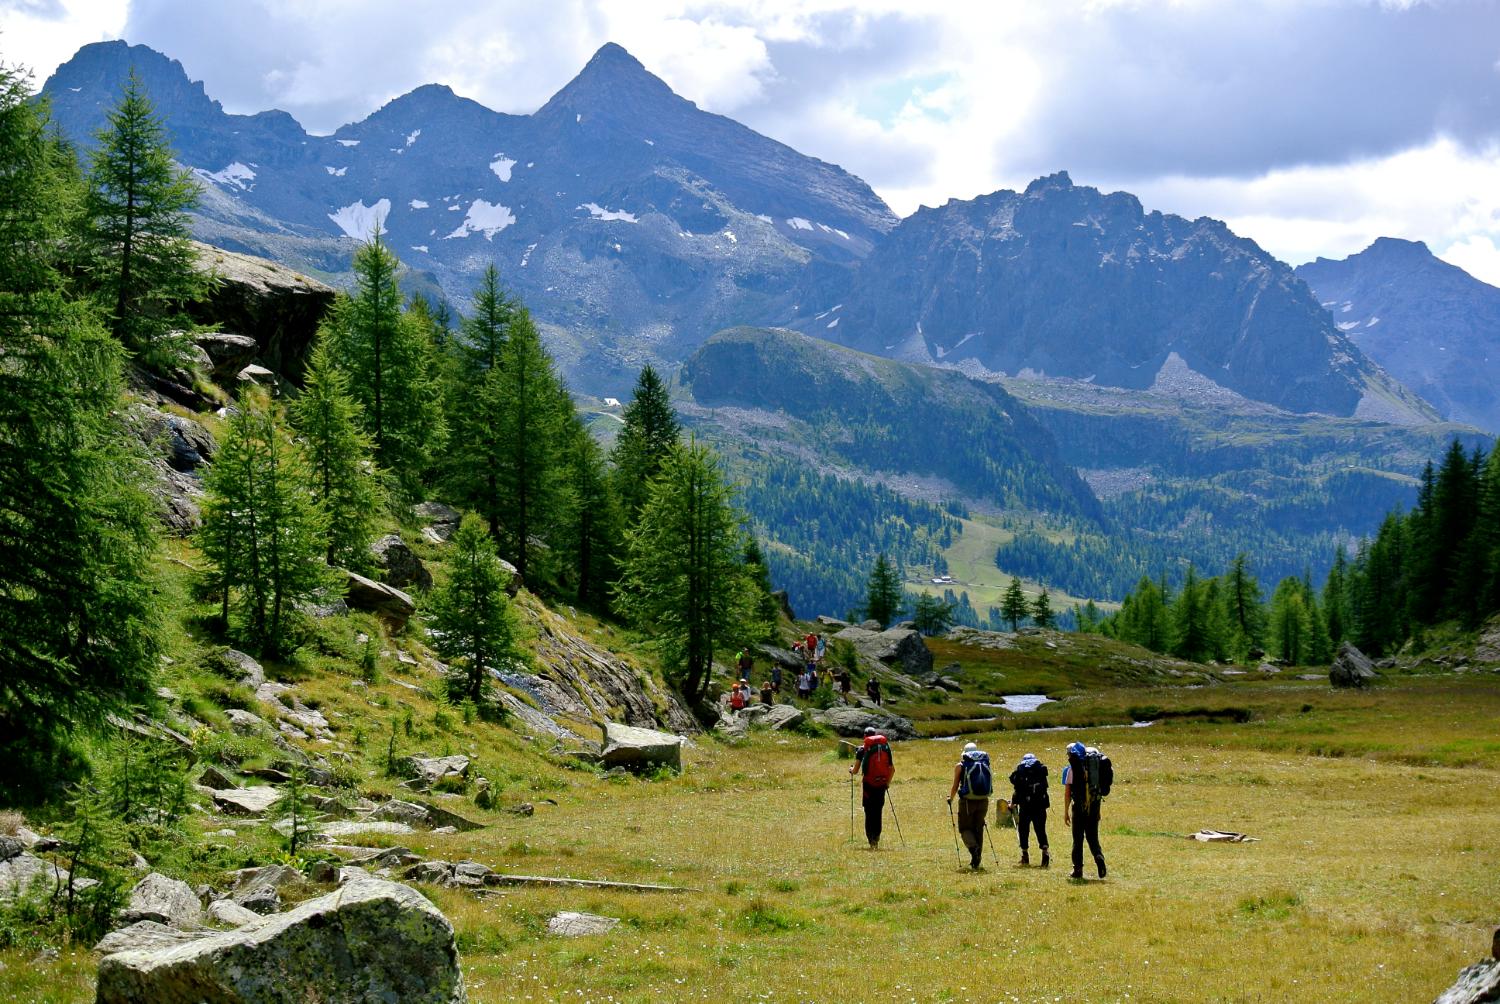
(879,767)
(737,697)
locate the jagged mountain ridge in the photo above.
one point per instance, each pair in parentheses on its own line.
(1430,324)
(1064,281)
(619,210)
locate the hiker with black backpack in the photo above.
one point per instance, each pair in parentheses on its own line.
(973,783)
(1028,784)
(879,767)
(1086,783)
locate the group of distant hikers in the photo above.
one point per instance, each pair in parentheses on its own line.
(1086,781)
(813,671)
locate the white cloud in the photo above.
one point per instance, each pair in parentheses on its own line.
(1477,255)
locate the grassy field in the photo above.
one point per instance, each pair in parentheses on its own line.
(971,562)
(1373,878)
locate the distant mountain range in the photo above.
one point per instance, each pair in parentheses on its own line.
(1432,325)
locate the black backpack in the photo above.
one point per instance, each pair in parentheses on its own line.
(1100,774)
(1030,784)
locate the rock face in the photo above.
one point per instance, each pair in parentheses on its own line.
(280,308)
(902,649)
(230,914)
(387,602)
(176,449)
(369,941)
(431,771)
(401,565)
(847,721)
(246,801)
(20,873)
(1351,668)
(1476,984)
(227,354)
(145,936)
(639,749)
(442,521)
(165,901)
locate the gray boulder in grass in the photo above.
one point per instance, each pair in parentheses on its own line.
(1351,668)
(164,900)
(369,941)
(638,749)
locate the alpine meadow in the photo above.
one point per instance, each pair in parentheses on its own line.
(564,543)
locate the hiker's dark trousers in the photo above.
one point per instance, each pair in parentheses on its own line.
(1028,818)
(971,813)
(874,803)
(1086,827)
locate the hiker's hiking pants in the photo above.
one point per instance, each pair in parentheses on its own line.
(874,802)
(971,813)
(1028,818)
(1086,827)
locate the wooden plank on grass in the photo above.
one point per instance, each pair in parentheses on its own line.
(495,878)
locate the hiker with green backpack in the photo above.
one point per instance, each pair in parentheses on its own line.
(1086,783)
(973,783)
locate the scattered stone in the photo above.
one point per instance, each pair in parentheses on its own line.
(245,723)
(470,873)
(401,565)
(1351,668)
(21,873)
(390,857)
(433,872)
(369,941)
(569,924)
(442,520)
(10,847)
(1476,984)
(230,914)
(227,354)
(638,749)
(783,716)
(850,721)
(322,872)
(213,777)
(164,900)
(832,622)
(397,811)
(439,817)
(431,771)
(145,936)
(524,809)
(387,602)
(239,666)
(359,827)
(246,801)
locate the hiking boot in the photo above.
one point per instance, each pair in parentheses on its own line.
(1100,863)
(974,859)
(1077,872)
(1025,857)
(1046,859)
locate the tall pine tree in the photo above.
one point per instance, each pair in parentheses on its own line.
(883,597)
(474,626)
(1013,605)
(647,438)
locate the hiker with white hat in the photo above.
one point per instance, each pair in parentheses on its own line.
(973,783)
(1029,795)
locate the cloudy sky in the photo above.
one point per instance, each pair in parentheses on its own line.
(1312,126)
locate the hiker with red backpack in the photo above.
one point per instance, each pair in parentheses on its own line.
(1086,782)
(973,783)
(1028,784)
(879,767)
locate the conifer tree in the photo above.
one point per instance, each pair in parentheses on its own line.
(1041,610)
(589,530)
(1291,622)
(931,614)
(1190,635)
(1335,604)
(263,530)
(883,599)
(684,575)
(388,356)
(486,329)
(646,439)
(1013,606)
(476,630)
(79,602)
(766,607)
(1242,608)
(140,257)
(342,459)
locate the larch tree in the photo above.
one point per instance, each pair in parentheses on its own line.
(341,456)
(263,529)
(1013,606)
(883,593)
(139,256)
(1041,610)
(474,626)
(684,577)
(646,439)
(80,627)
(589,529)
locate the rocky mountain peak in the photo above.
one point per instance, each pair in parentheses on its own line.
(1059,180)
(614,84)
(97,70)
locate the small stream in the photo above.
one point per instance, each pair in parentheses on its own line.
(1020,704)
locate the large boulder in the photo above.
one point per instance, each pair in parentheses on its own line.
(145,935)
(400,563)
(227,354)
(386,602)
(183,443)
(640,749)
(1476,984)
(163,900)
(280,308)
(441,520)
(24,873)
(427,772)
(1351,668)
(850,721)
(254,801)
(369,941)
(571,924)
(900,648)
(782,716)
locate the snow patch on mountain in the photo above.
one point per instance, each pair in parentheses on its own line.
(417,204)
(501,165)
(488,218)
(347,142)
(360,221)
(411,137)
(235,175)
(598,212)
(337,172)
(798,223)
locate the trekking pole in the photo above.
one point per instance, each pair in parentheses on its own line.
(851,808)
(897,818)
(993,853)
(954,823)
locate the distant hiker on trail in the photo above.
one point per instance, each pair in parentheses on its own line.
(844,683)
(805,684)
(1086,782)
(879,767)
(973,783)
(739,696)
(746,663)
(810,645)
(1029,795)
(872,690)
(822,648)
(776,677)
(767,695)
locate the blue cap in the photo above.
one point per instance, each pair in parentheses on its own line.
(1076,749)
